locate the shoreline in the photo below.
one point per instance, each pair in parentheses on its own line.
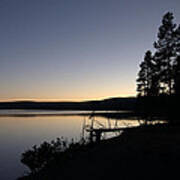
(142,150)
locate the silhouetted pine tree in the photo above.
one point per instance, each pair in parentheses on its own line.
(141,80)
(165,54)
(177,77)
(177,41)
(145,80)
(154,88)
(177,62)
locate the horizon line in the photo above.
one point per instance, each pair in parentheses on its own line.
(64,100)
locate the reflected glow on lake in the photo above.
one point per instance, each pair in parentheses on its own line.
(18,134)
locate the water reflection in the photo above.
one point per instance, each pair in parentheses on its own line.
(19,133)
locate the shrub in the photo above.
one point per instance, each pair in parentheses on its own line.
(40,157)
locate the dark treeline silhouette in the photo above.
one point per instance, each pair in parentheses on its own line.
(158,82)
(106,104)
(160,72)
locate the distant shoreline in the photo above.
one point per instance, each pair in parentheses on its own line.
(106,104)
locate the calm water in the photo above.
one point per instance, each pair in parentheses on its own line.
(20,130)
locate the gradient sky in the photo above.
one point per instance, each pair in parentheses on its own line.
(76,49)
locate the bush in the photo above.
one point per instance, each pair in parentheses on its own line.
(38,158)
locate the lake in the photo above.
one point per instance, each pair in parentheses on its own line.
(21,129)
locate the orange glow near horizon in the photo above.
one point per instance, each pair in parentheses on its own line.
(75,93)
(66,99)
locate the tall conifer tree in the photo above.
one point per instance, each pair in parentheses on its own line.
(165,54)
(177,62)
(144,80)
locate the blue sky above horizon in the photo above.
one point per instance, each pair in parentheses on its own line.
(76,50)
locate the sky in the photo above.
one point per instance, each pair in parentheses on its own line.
(76,49)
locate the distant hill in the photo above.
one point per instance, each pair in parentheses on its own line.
(106,104)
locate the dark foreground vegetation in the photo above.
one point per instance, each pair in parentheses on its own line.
(148,152)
